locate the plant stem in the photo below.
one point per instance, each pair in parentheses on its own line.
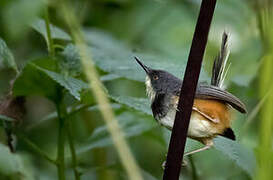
(193,168)
(61,109)
(72,149)
(50,43)
(35,148)
(264,151)
(58,46)
(96,86)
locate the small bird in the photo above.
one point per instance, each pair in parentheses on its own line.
(211,111)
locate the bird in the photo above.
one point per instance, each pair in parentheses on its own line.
(211,111)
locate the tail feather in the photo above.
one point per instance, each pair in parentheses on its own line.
(228,133)
(219,67)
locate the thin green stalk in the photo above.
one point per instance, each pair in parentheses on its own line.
(75,111)
(50,43)
(96,86)
(70,113)
(72,150)
(61,110)
(193,168)
(36,149)
(265,152)
(58,46)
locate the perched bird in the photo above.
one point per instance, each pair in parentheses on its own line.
(211,112)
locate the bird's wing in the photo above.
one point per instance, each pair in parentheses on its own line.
(212,92)
(205,91)
(204,109)
(214,120)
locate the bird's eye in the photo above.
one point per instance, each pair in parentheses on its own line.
(155,77)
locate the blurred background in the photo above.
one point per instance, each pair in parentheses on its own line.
(159,32)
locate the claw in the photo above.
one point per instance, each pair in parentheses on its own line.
(163,165)
(184,164)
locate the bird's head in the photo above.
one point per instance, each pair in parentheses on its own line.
(158,81)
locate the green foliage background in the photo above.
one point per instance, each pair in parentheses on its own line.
(38,52)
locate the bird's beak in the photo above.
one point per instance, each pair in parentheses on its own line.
(146,69)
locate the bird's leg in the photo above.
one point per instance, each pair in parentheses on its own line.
(184,164)
(208,142)
(198,150)
(163,165)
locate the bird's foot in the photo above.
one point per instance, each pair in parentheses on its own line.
(184,164)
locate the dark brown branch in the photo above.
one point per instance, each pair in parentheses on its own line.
(182,118)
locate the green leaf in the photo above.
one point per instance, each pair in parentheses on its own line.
(33,81)
(146,175)
(6,118)
(167,28)
(74,86)
(109,77)
(13,165)
(140,104)
(9,163)
(71,63)
(242,156)
(131,125)
(6,57)
(239,72)
(70,111)
(39,77)
(56,33)
(114,57)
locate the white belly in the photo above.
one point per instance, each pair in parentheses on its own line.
(198,127)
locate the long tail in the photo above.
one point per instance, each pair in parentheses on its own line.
(219,70)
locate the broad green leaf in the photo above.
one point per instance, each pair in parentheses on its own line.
(6,57)
(5,118)
(74,86)
(239,72)
(242,156)
(140,104)
(56,33)
(33,81)
(109,77)
(131,125)
(114,57)
(172,35)
(13,165)
(9,163)
(167,28)
(39,77)
(70,63)
(163,27)
(70,111)
(147,176)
